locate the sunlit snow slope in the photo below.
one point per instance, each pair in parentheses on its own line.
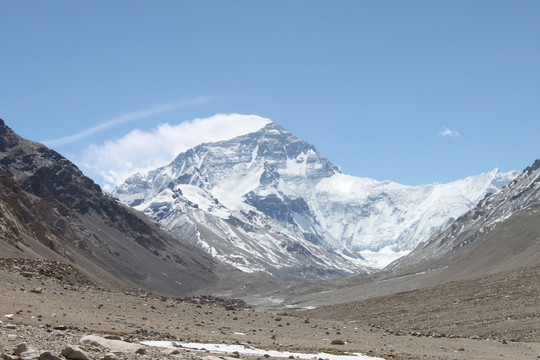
(268,201)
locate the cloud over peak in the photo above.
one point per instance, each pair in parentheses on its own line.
(139,151)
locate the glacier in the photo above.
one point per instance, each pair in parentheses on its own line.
(268,201)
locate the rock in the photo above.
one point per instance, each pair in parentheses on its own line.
(56,333)
(337,342)
(47,355)
(75,353)
(112,337)
(30,355)
(20,348)
(109,356)
(37,290)
(112,345)
(212,357)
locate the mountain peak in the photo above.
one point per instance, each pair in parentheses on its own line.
(271,130)
(273,179)
(273,126)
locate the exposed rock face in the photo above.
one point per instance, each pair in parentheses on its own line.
(50,209)
(21,216)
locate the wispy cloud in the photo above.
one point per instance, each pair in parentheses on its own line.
(111,163)
(446,132)
(136,115)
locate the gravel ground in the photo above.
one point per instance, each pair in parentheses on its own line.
(504,307)
(50,312)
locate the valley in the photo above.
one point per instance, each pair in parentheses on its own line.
(49,313)
(270,180)
(218,268)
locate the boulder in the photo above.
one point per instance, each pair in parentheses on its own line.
(30,355)
(47,355)
(112,345)
(74,353)
(20,348)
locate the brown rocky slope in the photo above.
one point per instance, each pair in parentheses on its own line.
(50,210)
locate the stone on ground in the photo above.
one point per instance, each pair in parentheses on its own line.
(112,345)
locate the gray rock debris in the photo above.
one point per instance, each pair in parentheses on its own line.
(109,356)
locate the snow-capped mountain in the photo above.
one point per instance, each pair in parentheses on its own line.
(501,228)
(268,201)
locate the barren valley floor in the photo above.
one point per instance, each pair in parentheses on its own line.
(40,301)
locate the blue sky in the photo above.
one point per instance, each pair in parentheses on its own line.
(411,91)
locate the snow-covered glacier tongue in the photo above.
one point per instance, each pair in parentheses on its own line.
(268,201)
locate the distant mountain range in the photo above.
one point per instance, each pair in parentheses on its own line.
(501,232)
(269,202)
(491,246)
(254,210)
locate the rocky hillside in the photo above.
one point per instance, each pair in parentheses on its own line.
(51,210)
(501,232)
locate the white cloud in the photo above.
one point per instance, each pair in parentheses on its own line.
(446,132)
(140,151)
(141,114)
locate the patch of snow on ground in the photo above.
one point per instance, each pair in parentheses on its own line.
(228,349)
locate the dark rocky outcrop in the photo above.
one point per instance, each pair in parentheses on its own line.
(49,209)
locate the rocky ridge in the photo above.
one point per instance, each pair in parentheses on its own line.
(503,226)
(45,269)
(51,210)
